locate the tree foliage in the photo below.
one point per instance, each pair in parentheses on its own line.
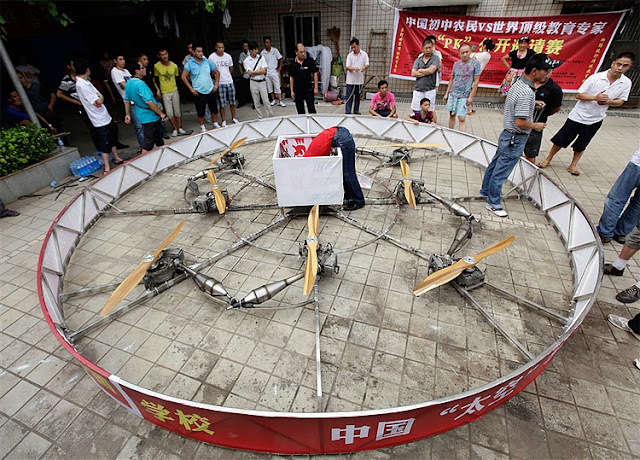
(23,146)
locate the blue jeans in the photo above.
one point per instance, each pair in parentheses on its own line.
(137,126)
(353,97)
(611,223)
(510,148)
(343,139)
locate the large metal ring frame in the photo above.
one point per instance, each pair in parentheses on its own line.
(326,432)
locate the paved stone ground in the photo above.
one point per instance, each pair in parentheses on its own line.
(584,405)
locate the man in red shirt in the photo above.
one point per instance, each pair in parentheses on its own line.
(340,137)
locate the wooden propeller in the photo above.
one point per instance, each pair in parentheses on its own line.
(311,269)
(414,145)
(233,146)
(136,276)
(448,273)
(408,190)
(221,203)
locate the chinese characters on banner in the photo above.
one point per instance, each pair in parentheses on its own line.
(309,434)
(580,40)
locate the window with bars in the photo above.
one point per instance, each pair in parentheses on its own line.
(299,28)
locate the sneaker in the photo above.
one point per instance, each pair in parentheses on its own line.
(235,120)
(182,131)
(174,133)
(273,102)
(604,239)
(629,295)
(497,211)
(166,136)
(352,206)
(282,104)
(609,269)
(224,124)
(9,213)
(203,128)
(622,323)
(215,125)
(619,239)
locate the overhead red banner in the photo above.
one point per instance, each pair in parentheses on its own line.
(581,40)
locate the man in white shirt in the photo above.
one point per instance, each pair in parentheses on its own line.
(357,63)
(93,103)
(226,90)
(598,92)
(244,93)
(274,64)
(120,76)
(256,67)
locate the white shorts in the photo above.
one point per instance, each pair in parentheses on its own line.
(417,97)
(273,83)
(171,102)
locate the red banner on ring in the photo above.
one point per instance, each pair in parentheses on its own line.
(581,40)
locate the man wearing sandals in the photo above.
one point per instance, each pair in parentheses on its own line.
(598,92)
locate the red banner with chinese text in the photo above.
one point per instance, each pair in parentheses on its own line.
(581,40)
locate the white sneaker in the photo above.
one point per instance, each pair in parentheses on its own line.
(174,133)
(282,104)
(622,323)
(497,211)
(182,131)
(224,124)
(235,120)
(273,102)
(215,125)
(203,128)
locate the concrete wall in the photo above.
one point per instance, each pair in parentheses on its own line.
(37,176)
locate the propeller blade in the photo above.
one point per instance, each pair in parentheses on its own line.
(221,203)
(233,146)
(451,272)
(408,189)
(311,267)
(136,276)
(415,145)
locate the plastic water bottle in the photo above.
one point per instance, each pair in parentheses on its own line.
(63,148)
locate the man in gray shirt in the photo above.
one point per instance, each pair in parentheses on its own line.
(425,69)
(518,123)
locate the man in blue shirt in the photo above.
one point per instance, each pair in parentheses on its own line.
(202,86)
(137,92)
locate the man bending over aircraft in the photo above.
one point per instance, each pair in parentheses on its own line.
(340,137)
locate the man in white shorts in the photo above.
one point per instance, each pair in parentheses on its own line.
(274,64)
(226,90)
(165,73)
(425,69)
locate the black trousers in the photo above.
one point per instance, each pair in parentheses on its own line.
(303,95)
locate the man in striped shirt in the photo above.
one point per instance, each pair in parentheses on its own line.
(518,123)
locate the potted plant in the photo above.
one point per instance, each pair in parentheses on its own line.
(23,146)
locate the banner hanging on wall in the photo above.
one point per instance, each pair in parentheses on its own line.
(581,40)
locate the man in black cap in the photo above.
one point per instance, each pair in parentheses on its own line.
(518,123)
(550,93)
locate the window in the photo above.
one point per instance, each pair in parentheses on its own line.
(296,28)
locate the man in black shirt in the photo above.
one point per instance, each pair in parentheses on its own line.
(551,94)
(303,70)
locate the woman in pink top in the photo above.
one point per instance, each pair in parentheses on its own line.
(383,103)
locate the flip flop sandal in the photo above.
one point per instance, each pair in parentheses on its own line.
(543,164)
(573,172)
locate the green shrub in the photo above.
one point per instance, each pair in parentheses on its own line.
(23,146)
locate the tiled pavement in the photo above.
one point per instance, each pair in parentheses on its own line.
(585,405)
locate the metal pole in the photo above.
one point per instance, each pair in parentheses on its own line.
(528,302)
(318,364)
(11,70)
(491,320)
